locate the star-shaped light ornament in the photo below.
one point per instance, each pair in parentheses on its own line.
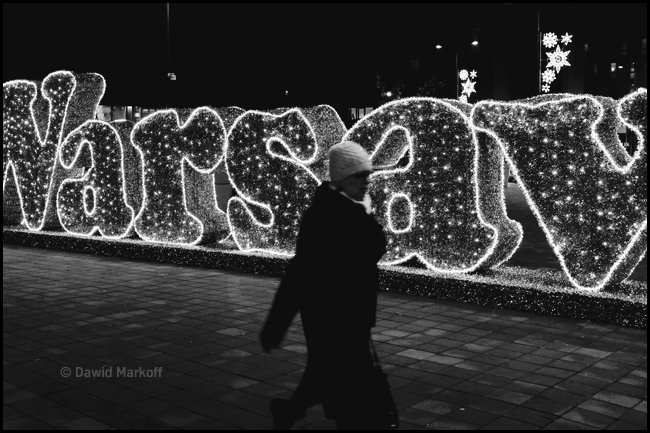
(550,40)
(473,74)
(468,87)
(463,75)
(566,38)
(548,76)
(546,88)
(557,58)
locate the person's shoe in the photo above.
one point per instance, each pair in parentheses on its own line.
(283,414)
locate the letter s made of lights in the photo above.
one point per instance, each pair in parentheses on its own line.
(168,150)
(266,158)
(588,198)
(97,201)
(35,119)
(431,205)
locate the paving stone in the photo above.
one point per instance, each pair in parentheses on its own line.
(635,417)
(474,416)
(589,418)
(618,399)
(530,416)
(436,406)
(445,423)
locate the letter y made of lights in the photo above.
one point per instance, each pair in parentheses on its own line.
(437,188)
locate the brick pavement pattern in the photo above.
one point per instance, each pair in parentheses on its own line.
(451,365)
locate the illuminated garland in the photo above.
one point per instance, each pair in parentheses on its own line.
(266,158)
(592,210)
(169,151)
(35,121)
(431,207)
(97,201)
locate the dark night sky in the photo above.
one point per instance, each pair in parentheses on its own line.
(248,54)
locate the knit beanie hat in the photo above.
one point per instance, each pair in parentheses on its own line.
(347,158)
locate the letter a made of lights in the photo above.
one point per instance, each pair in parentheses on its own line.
(432,206)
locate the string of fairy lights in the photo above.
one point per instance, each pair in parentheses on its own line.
(444,206)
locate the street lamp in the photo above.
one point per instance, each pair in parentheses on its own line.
(474,43)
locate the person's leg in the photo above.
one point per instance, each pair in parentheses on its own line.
(353,408)
(287,412)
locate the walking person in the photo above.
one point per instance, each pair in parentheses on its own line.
(333,282)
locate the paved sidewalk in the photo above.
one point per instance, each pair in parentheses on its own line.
(195,331)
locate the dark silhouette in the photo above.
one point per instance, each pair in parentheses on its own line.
(333,282)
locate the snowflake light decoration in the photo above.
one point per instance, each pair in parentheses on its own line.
(550,40)
(557,58)
(468,87)
(548,76)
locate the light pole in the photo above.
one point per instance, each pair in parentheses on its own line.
(439,47)
(170,75)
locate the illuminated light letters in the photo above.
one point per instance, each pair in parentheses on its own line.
(592,209)
(96,201)
(266,155)
(430,206)
(437,188)
(35,121)
(168,151)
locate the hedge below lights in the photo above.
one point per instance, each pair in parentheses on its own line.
(535,291)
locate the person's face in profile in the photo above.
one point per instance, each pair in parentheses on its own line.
(356,185)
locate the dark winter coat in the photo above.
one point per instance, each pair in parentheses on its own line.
(333,281)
